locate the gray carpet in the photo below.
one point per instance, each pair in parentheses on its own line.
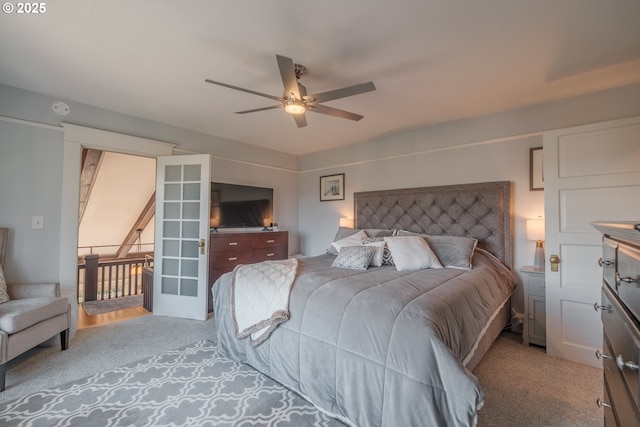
(523,386)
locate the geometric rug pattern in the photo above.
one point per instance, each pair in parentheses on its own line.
(190,386)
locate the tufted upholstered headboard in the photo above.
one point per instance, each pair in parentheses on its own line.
(481,211)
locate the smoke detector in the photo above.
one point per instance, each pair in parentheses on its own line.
(61,108)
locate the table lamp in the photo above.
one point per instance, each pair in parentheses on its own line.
(535,231)
(346,221)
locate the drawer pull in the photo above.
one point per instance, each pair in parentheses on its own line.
(621,364)
(233,258)
(619,279)
(601,355)
(597,307)
(233,243)
(271,241)
(602,404)
(605,263)
(271,254)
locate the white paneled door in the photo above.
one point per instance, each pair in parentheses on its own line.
(181,236)
(591,173)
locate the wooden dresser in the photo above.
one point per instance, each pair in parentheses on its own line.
(230,249)
(620,308)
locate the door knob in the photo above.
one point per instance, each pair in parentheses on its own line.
(201,245)
(554,260)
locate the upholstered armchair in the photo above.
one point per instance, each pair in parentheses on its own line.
(34,313)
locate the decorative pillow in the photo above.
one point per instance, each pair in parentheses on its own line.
(344,232)
(354,257)
(378,255)
(412,253)
(387,259)
(353,240)
(4,295)
(452,251)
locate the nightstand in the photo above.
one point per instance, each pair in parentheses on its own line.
(534,330)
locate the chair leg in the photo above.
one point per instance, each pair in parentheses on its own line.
(3,372)
(64,339)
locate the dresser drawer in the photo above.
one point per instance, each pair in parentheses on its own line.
(624,345)
(622,405)
(231,242)
(265,254)
(628,278)
(269,239)
(609,256)
(231,258)
(609,417)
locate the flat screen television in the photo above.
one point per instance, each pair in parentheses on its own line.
(240,206)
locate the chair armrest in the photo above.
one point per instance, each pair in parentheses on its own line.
(33,290)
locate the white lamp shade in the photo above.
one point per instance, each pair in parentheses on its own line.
(346,221)
(535,229)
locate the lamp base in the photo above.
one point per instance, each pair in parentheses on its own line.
(538,260)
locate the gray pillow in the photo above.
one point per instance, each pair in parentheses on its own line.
(354,257)
(452,251)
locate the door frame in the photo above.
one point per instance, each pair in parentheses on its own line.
(75,138)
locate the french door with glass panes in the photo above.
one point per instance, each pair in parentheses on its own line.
(181,236)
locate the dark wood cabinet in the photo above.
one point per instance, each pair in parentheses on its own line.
(620,312)
(227,250)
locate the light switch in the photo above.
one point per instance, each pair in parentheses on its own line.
(37,222)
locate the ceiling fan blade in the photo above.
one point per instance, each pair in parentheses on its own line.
(301,120)
(273,107)
(288,74)
(344,92)
(244,90)
(323,109)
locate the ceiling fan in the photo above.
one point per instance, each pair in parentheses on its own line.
(295,100)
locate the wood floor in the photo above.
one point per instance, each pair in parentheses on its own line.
(87,321)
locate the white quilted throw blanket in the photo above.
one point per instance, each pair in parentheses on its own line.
(260,298)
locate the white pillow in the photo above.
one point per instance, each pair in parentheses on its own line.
(353,240)
(378,255)
(411,253)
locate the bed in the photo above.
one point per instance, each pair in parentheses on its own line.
(382,347)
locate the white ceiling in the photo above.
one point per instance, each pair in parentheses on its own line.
(431,60)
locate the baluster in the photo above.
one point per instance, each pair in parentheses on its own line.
(110,280)
(101,282)
(91,277)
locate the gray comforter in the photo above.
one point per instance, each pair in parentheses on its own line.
(378,347)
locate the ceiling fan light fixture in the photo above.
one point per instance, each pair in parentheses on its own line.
(293,106)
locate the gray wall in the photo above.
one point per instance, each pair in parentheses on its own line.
(30,178)
(490,148)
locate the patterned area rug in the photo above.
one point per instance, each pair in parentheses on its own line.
(190,386)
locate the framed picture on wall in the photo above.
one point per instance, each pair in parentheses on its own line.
(536,172)
(332,187)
